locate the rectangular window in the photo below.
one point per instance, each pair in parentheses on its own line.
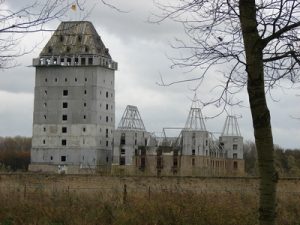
(106,106)
(235,165)
(107,94)
(193,152)
(106,118)
(122,151)
(64,129)
(123,140)
(106,143)
(175,162)
(122,160)
(235,155)
(65,105)
(65,92)
(64,142)
(63,158)
(64,117)
(193,161)
(234,147)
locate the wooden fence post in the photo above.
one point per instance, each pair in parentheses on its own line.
(25,189)
(124,194)
(149,192)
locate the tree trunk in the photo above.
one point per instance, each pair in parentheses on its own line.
(260,112)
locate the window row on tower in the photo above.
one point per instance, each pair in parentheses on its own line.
(56,80)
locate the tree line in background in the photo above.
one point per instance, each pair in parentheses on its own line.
(14,153)
(286,161)
(15,156)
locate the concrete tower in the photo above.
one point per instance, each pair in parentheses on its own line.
(231,139)
(195,137)
(74,104)
(129,136)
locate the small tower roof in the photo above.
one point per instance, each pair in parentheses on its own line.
(75,38)
(195,119)
(131,119)
(231,127)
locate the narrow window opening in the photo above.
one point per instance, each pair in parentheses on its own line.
(63,158)
(64,129)
(193,161)
(65,105)
(235,165)
(122,160)
(64,142)
(65,92)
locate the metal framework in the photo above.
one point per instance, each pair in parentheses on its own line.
(195,119)
(131,119)
(231,127)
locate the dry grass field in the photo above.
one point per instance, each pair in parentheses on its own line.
(96,200)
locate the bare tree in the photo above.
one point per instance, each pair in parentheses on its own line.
(28,18)
(257,42)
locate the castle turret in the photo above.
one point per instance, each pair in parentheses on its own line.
(74,101)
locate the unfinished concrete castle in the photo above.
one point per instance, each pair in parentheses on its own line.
(74,120)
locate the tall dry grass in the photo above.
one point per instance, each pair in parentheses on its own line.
(164,208)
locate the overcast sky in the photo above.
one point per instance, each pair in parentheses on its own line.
(141,50)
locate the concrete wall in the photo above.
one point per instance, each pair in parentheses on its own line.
(171,165)
(133,139)
(195,140)
(233,146)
